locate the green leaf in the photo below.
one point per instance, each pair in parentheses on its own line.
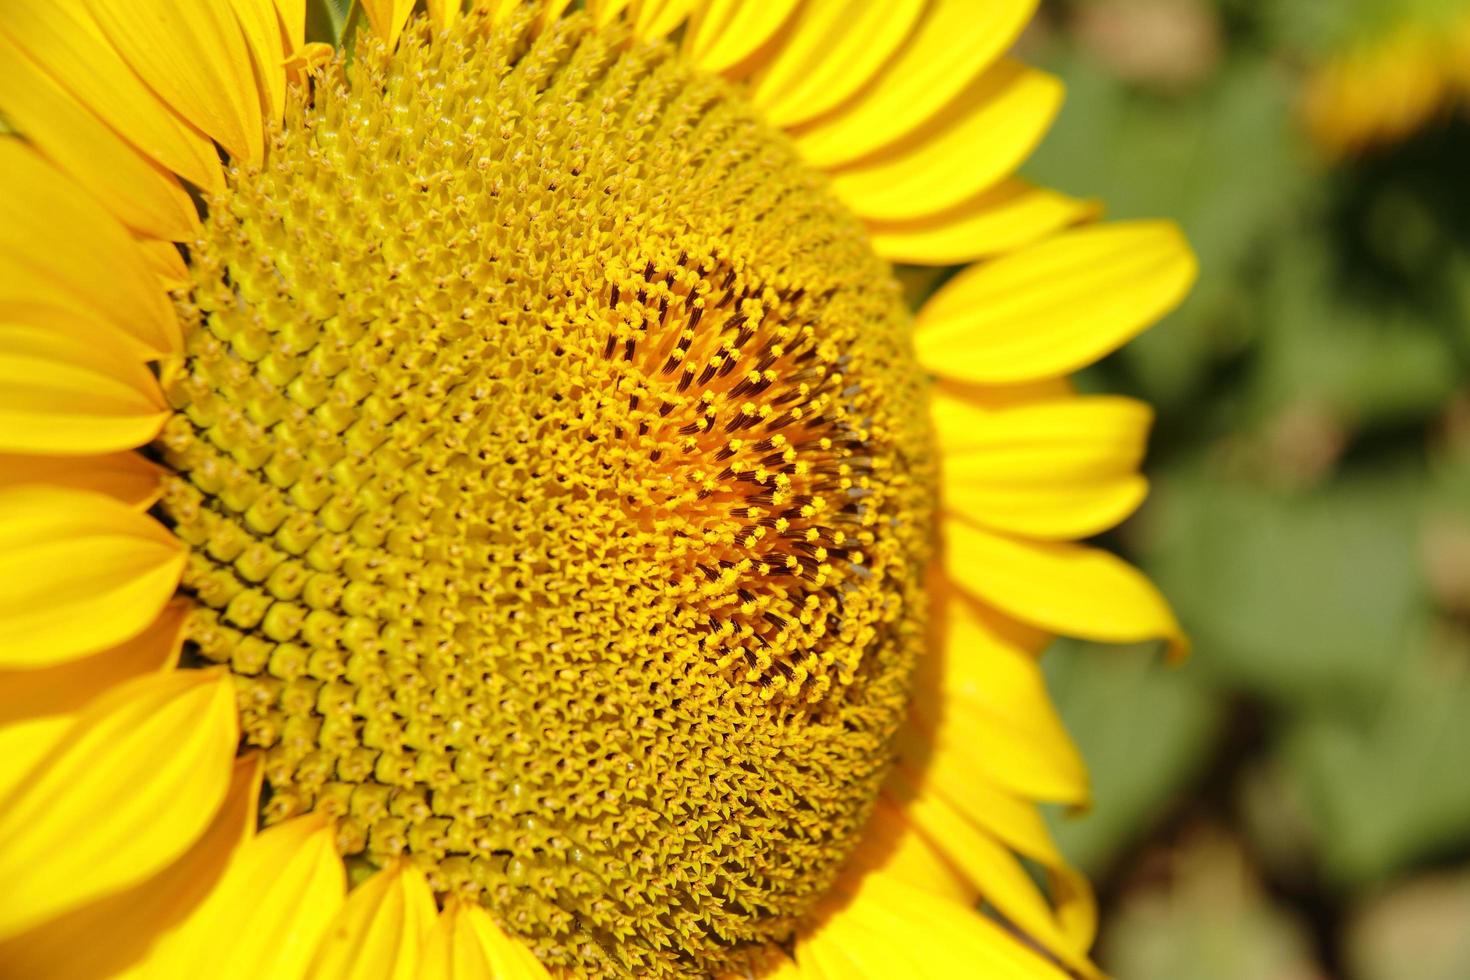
(1305,597)
(1386,786)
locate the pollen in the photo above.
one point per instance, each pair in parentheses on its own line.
(555,471)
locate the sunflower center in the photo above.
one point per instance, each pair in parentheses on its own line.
(557,483)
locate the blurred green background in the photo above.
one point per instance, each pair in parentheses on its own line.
(1295,800)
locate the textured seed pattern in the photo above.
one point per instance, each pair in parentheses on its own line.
(558,488)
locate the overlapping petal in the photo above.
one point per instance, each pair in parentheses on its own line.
(267,915)
(65,40)
(196,58)
(873,935)
(379,932)
(153,755)
(465,944)
(104,937)
(83,572)
(59,248)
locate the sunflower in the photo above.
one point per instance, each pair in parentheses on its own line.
(1396,72)
(476,503)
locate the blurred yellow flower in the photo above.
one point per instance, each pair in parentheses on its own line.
(1382,89)
(497,471)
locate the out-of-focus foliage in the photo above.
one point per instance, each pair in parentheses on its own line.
(1311,507)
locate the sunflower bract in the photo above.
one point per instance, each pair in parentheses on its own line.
(539,493)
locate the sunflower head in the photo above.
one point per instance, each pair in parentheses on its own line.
(593,497)
(478,495)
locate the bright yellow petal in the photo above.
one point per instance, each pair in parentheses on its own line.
(1056,306)
(387,17)
(194,56)
(65,40)
(65,393)
(974,143)
(1057,469)
(501,10)
(659,18)
(724,33)
(981,700)
(131,786)
(59,247)
(83,572)
(1015,822)
(466,944)
(67,688)
(1001,878)
(379,932)
(166,262)
(604,12)
(955,41)
(889,929)
(1009,216)
(99,939)
(127,477)
(444,14)
(832,49)
(1068,589)
(140,193)
(262,30)
(891,844)
(38,707)
(268,914)
(293,21)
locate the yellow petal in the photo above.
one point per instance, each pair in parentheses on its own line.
(1009,216)
(262,30)
(831,50)
(293,21)
(68,394)
(466,944)
(166,262)
(1068,589)
(981,699)
(64,39)
(99,939)
(976,141)
(67,688)
(83,572)
(444,14)
(1001,878)
(889,929)
(604,12)
(891,844)
(131,786)
(379,932)
(954,42)
(194,56)
(501,10)
(724,33)
(658,18)
(127,477)
(1056,306)
(59,247)
(1015,822)
(387,17)
(1054,469)
(38,707)
(139,192)
(268,913)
